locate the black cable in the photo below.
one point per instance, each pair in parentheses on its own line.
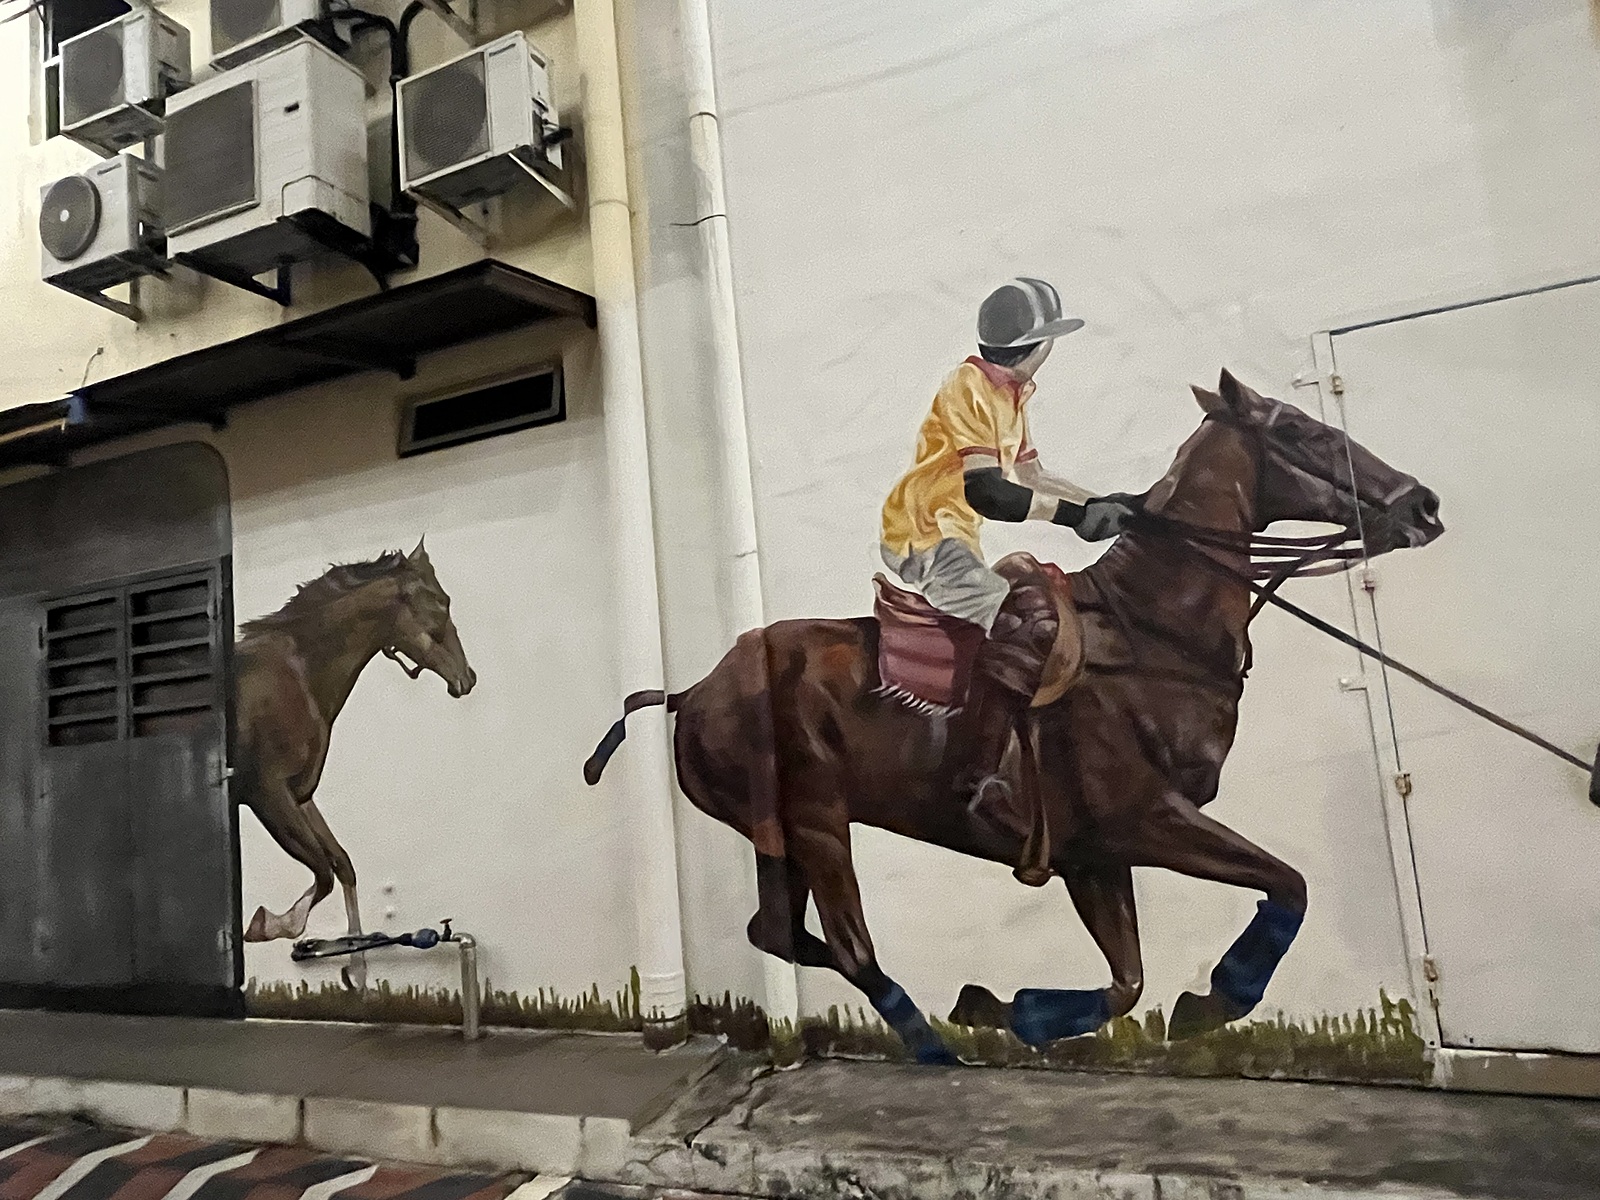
(395,227)
(412,11)
(394,233)
(399,67)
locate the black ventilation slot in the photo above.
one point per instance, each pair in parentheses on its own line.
(85,670)
(537,399)
(136,662)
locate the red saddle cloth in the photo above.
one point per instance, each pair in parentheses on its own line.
(924,656)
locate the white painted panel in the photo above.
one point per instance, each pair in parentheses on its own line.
(1498,409)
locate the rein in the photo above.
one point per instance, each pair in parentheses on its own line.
(1334,548)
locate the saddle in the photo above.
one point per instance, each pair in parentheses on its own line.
(925,656)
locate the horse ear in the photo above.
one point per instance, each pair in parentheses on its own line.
(419,556)
(1235,394)
(1208,401)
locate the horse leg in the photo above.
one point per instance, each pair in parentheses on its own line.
(779,926)
(1181,838)
(355,975)
(281,817)
(824,855)
(1103,895)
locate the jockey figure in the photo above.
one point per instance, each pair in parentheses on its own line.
(974,461)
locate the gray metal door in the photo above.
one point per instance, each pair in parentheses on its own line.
(1494,406)
(118,844)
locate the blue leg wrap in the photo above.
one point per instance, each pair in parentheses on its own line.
(906,1019)
(897,1008)
(1041,1015)
(1242,975)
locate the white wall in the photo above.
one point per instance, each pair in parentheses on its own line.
(187,313)
(1208,183)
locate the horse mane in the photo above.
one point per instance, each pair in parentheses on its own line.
(338,580)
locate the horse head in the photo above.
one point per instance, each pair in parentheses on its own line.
(1311,471)
(423,630)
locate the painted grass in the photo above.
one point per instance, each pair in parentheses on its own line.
(411,1005)
(1378,1044)
(1375,1045)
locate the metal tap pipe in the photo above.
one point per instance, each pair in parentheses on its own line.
(422,939)
(471,995)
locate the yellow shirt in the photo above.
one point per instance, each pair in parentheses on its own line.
(980,411)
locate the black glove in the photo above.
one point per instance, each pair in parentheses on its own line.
(1100,518)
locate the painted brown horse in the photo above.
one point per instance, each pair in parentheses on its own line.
(294,670)
(788,741)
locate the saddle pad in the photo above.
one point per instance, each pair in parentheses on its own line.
(924,656)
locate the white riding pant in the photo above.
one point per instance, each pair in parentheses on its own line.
(953,579)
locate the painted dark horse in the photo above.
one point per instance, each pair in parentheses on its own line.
(294,670)
(788,742)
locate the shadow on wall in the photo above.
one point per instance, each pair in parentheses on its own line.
(1377,1045)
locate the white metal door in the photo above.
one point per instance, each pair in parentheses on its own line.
(1497,408)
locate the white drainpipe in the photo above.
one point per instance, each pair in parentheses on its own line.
(643,783)
(741,552)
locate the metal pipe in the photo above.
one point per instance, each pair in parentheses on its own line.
(471,996)
(741,551)
(645,781)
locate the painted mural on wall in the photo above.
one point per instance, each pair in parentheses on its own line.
(1070,725)
(294,670)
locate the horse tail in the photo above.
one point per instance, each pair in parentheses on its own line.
(596,765)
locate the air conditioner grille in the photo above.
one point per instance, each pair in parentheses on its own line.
(69,217)
(211,157)
(91,74)
(235,21)
(446,117)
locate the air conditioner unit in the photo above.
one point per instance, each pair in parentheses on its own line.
(246,29)
(115,79)
(266,164)
(103,227)
(479,124)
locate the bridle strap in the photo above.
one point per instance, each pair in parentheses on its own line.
(393,656)
(1267,594)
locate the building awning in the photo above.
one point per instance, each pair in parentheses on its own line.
(386,332)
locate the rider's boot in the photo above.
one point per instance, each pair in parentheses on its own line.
(1005,678)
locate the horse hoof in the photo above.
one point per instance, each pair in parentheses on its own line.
(1194,1015)
(979,1008)
(936,1054)
(256,931)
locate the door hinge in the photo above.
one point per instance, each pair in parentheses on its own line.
(1430,968)
(1336,384)
(1402,784)
(1369,580)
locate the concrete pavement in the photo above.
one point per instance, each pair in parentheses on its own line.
(909,1133)
(525,1111)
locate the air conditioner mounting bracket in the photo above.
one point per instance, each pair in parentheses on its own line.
(465,28)
(280,293)
(474,229)
(121,307)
